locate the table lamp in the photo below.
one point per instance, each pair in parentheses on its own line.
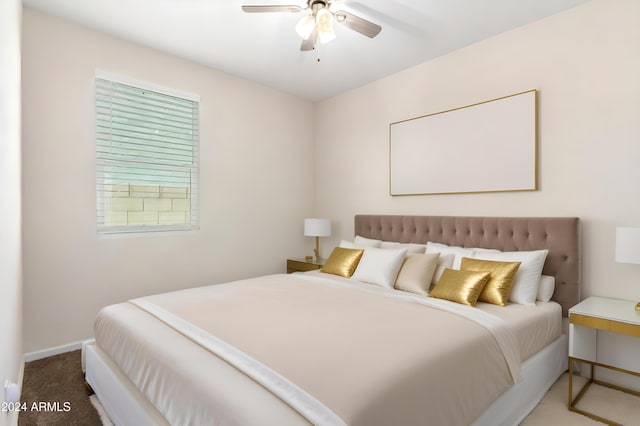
(317,228)
(628,247)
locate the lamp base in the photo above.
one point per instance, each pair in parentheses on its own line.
(638,306)
(316,252)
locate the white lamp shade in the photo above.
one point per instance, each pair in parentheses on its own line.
(317,227)
(305,26)
(324,22)
(628,245)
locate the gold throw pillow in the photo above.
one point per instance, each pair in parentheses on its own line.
(501,281)
(460,286)
(342,261)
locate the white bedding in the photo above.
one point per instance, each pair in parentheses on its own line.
(534,328)
(297,398)
(143,353)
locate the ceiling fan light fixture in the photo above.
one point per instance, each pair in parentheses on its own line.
(324,23)
(317,27)
(304,27)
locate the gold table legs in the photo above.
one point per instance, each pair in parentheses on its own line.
(573,402)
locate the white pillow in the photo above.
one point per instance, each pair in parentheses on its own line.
(444,261)
(525,283)
(366,241)
(379,266)
(546,286)
(479,250)
(411,247)
(458,252)
(350,245)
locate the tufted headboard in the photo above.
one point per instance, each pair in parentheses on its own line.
(560,235)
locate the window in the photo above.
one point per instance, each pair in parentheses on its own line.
(146,158)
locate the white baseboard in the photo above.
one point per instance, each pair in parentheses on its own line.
(13,415)
(32,356)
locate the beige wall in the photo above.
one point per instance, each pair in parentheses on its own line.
(256,147)
(10,240)
(258,179)
(584,62)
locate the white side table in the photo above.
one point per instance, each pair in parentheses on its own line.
(585,319)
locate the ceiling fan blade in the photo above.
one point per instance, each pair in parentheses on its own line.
(310,42)
(273,8)
(358,24)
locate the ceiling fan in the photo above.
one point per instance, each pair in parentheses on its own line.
(318,25)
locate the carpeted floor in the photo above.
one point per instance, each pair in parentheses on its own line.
(53,393)
(58,380)
(618,406)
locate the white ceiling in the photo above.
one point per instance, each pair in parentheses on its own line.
(265,47)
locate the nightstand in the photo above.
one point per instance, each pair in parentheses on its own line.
(585,319)
(303,265)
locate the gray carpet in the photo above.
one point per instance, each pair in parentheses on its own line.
(54,393)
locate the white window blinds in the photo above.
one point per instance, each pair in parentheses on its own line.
(146,159)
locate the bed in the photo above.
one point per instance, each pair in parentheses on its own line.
(317,348)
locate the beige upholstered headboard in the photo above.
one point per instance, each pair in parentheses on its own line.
(560,235)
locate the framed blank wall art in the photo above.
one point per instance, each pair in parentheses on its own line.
(489,146)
